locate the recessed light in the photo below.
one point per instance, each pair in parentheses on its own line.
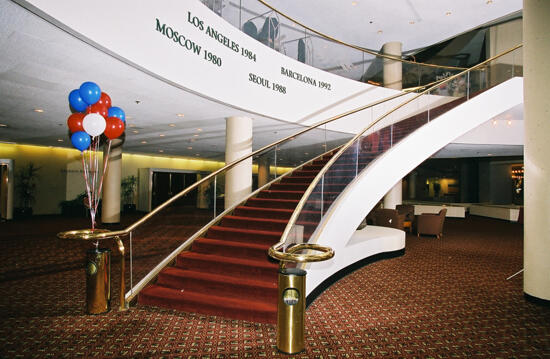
(132,125)
(172,125)
(162,135)
(39,110)
(411,22)
(189,148)
(489,2)
(3,125)
(494,122)
(197,154)
(447,13)
(180,115)
(59,140)
(509,122)
(161,151)
(195,135)
(143,142)
(135,131)
(379,32)
(489,154)
(199,129)
(353,3)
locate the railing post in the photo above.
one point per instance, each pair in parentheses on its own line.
(123,305)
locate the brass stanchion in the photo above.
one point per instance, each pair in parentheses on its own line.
(98,281)
(291,309)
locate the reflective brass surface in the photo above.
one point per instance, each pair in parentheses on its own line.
(85,234)
(294,217)
(291,256)
(291,308)
(98,281)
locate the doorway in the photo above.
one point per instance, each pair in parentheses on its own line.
(167,184)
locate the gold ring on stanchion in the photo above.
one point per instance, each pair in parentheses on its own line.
(85,234)
(291,256)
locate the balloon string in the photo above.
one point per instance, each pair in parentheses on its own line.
(86,175)
(105,162)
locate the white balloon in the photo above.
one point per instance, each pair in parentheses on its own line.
(94,124)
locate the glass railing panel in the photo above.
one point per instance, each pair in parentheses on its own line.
(392,126)
(151,242)
(292,39)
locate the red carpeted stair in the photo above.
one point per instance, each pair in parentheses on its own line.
(228,272)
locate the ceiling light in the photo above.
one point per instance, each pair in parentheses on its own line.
(447,13)
(172,125)
(135,131)
(39,110)
(489,2)
(128,117)
(195,135)
(199,129)
(509,123)
(59,140)
(489,154)
(3,125)
(411,22)
(379,32)
(189,148)
(197,154)
(162,135)
(180,115)
(494,122)
(132,125)
(144,142)
(161,151)
(353,3)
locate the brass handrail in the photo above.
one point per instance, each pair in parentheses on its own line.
(127,230)
(362,49)
(309,190)
(291,256)
(172,256)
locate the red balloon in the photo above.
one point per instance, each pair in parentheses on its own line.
(98,108)
(115,128)
(105,100)
(75,122)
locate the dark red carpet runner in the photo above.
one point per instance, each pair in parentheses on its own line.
(228,272)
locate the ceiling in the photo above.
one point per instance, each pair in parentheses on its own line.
(40,64)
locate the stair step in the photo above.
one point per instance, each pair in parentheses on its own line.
(218,284)
(297,179)
(261,212)
(259,269)
(265,224)
(272,202)
(246,309)
(280,194)
(244,235)
(231,248)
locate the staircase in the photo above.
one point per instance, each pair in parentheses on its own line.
(227,272)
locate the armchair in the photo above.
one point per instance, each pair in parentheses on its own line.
(431,223)
(407,210)
(386,217)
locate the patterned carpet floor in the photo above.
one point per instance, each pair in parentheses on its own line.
(444,298)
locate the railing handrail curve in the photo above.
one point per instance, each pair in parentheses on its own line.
(359,48)
(313,184)
(127,230)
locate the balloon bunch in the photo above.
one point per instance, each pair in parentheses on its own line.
(93,116)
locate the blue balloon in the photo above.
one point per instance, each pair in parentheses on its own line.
(90,92)
(117,112)
(76,101)
(81,140)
